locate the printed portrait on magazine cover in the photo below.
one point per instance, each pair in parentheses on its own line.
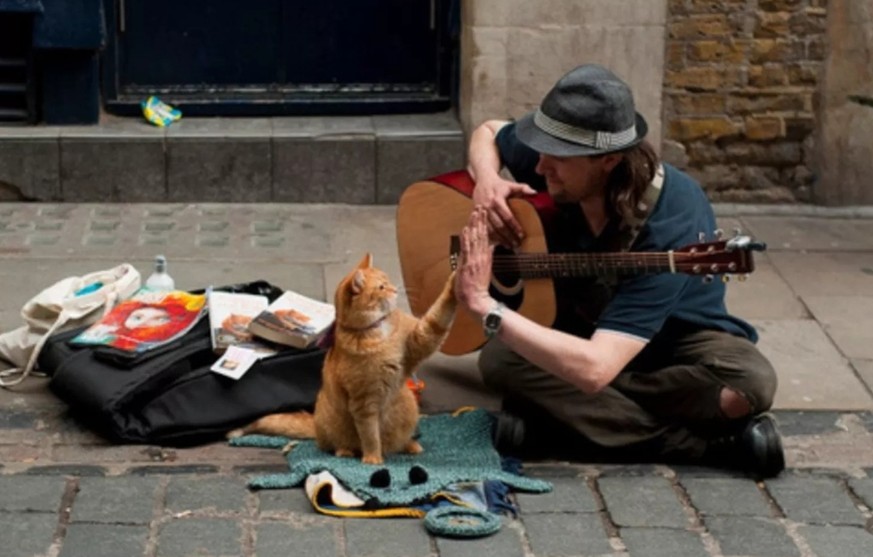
(138,324)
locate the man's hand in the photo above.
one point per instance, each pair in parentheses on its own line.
(474,271)
(492,193)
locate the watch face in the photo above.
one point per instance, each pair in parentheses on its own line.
(492,321)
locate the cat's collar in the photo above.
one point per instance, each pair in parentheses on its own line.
(374,325)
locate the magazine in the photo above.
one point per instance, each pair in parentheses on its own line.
(146,320)
(229,316)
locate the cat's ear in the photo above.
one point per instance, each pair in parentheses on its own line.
(356,285)
(366,262)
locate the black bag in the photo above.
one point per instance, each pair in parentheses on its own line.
(170,396)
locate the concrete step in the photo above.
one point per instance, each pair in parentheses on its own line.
(357,160)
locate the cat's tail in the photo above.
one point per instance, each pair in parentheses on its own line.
(300,425)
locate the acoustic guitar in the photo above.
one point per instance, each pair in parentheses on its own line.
(432,213)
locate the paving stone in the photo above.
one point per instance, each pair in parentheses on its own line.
(173,470)
(273,539)
(811,233)
(390,537)
(765,295)
(800,351)
(193,536)
(120,500)
(814,422)
(567,495)
(27,534)
(284,501)
(307,171)
(505,542)
(566,534)
(865,370)
(81,470)
(644,501)
(627,470)
(115,170)
(104,540)
(230,169)
(832,504)
(863,488)
(218,493)
(840,315)
(16,419)
(838,541)
(31,166)
(726,496)
(826,274)
(660,542)
(741,535)
(30,493)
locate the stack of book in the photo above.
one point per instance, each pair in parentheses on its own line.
(247,327)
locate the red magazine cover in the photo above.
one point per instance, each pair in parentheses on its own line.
(146,320)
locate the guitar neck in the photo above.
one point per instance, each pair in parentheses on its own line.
(553,265)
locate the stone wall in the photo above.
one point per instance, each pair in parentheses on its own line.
(513,51)
(845,140)
(740,86)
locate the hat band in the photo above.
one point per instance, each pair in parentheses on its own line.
(581,136)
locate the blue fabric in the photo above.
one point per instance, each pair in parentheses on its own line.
(457,448)
(641,306)
(20,6)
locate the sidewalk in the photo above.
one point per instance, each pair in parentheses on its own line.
(63,491)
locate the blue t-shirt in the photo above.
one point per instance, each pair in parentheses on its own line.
(640,306)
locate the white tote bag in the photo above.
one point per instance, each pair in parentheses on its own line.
(69,303)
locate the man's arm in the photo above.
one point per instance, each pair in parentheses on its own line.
(491,189)
(588,364)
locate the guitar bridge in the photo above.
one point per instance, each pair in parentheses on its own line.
(454,251)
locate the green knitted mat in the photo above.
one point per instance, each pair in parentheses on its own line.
(457,448)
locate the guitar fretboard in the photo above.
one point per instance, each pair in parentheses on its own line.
(549,265)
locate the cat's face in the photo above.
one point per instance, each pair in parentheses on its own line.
(367,291)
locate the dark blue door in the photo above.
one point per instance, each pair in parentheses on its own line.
(281,56)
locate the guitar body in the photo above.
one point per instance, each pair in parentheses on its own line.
(429,213)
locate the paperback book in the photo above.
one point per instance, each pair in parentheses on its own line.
(230,314)
(145,321)
(294,320)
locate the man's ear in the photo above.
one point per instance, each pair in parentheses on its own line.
(610,161)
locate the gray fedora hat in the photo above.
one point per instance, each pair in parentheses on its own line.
(590,111)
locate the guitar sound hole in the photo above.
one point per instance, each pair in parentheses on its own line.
(507,285)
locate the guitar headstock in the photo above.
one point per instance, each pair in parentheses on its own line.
(720,257)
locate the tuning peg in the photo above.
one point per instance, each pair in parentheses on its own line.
(701,237)
(737,232)
(707,279)
(725,278)
(743,277)
(719,233)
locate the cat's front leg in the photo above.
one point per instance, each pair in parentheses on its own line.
(432,328)
(366,419)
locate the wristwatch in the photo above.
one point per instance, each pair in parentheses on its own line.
(492,320)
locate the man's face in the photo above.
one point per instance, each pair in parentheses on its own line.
(576,179)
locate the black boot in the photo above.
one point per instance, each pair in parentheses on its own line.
(756,449)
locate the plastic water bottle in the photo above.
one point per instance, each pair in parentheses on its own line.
(160,279)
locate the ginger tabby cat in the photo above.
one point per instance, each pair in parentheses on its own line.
(364,406)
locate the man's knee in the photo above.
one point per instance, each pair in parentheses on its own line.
(492,366)
(760,388)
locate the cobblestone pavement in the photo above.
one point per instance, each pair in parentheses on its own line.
(64,491)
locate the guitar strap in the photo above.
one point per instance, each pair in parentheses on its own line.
(633,220)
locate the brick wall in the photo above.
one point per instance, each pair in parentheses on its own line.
(739,95)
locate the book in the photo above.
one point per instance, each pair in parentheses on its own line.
(294,320)
(146,320)
(229,316)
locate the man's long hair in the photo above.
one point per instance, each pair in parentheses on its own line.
(629,179)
